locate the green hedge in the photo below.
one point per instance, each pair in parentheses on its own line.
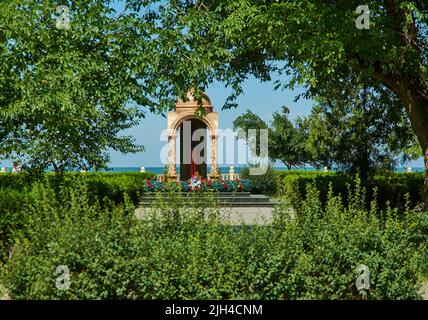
(12,216)
(15,181)
(114,185)
(391,188)
(16,193)
(285,173)
(266,183)
(172,254)
(394,187)
(100,184)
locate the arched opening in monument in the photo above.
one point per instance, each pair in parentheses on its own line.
(192,133)
(193,140)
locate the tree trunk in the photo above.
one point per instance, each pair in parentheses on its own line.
(364,154)
(287,164)
(413,93)
(418,113)
(56,168)
(408,79)
(415,98)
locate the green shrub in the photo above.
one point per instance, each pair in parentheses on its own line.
(100,184)
(294,186)
(15,181)
(12,217)
(337,238)
(391,188)
(284,173)
(266,183)
(394,187)
(16,192)
(177,251)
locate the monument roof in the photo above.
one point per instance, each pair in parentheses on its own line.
(192,103)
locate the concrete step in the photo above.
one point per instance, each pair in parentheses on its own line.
(230,204)
(201,194)
(221,199)
(225,199)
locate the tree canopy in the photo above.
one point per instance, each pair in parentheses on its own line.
(315,42)
(67,93)
(360,127)
(287,141)
(354,128)
(109,65)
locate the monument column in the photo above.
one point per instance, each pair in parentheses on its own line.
(214,169)
(172,167)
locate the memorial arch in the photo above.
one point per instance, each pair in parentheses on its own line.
(184,123)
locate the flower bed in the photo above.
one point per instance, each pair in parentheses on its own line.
(237,185)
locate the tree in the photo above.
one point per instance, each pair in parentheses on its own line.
(286,142)
(249,127)
(360,127)
(67,93)
(314,41)
(250,121)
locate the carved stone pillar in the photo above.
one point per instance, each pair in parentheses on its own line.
(172,167)
(214,169)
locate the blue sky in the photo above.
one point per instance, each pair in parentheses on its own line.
(259,97)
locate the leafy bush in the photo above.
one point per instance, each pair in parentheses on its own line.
(294,186)
(394,187)
(12,217)
(179,252)
(100,184)
(114,185)
(15,181)
(16,192)
(391,188)
(284,173)
(266,183)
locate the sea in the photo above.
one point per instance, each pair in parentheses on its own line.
(161,170)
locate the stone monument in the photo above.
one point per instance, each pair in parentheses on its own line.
(184,122)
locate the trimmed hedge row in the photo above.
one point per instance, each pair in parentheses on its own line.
(106,185)
(192,254)
(390,189)
(16,193)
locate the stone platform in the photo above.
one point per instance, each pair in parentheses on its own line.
(225,199)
